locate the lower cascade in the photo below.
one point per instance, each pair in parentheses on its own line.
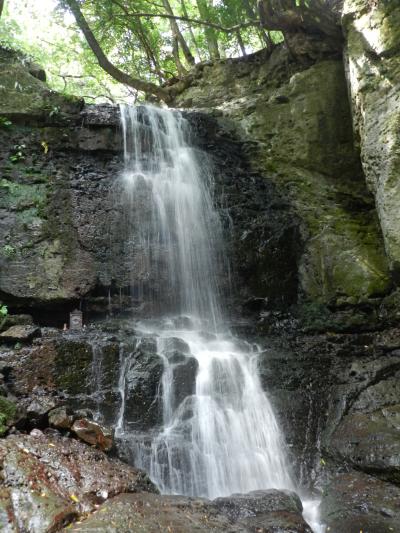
(216,434)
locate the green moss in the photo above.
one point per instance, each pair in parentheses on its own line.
(73,363)
(20,196)
(8,251)
(317,317)
(7,413)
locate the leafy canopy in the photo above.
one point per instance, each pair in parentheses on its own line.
(145,47)
(148,46)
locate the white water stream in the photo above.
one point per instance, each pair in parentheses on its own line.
(223,437)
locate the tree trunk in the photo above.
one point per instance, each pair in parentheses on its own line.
(211,37)
(175,52)
(151,56)
(1,6)
(176,33)
(105,64)
(252,16)
(241,43)
(192,36)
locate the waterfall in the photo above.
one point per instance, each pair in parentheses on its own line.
(178,229)
(218,434)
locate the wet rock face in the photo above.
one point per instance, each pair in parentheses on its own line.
(368,437)
(276,187)
(263,240)
(144,370)
(281,111)
(355,502)
(264,511)
(373,73)
(346,403)
(181,369)
(49,480)
(56,247)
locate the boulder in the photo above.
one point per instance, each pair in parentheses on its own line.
(144,370)
(20,333)
(48,480)
(93,433)
(263,512)
(60,418)
(38,407)
(149,514)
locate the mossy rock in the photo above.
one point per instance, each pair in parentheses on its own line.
(24,93)
(8,411)
(73,362)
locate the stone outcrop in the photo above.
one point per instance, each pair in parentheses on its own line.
(25,95)
(336,398)
(372,61)
(93,433)
(19,334)
(296,122)
(48,481)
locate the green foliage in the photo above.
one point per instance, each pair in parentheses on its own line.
(8,411)
(3,317)
(54,112)
(8,250)
(140,46)
(18,153)
(5,123)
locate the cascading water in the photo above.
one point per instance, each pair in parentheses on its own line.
(221,437)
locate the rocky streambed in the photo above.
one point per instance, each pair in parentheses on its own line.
(60,466)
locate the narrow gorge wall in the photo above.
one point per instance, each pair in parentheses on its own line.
(296,122)
(372,59)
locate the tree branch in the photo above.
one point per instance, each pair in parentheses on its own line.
(105,63)
(190,20)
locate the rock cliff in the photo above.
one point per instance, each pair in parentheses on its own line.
(296,121)
(373,72)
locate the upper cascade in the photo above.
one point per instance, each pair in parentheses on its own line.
(168,188)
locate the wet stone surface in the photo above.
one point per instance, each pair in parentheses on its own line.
(354,502)
(262,512)
(48,480)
